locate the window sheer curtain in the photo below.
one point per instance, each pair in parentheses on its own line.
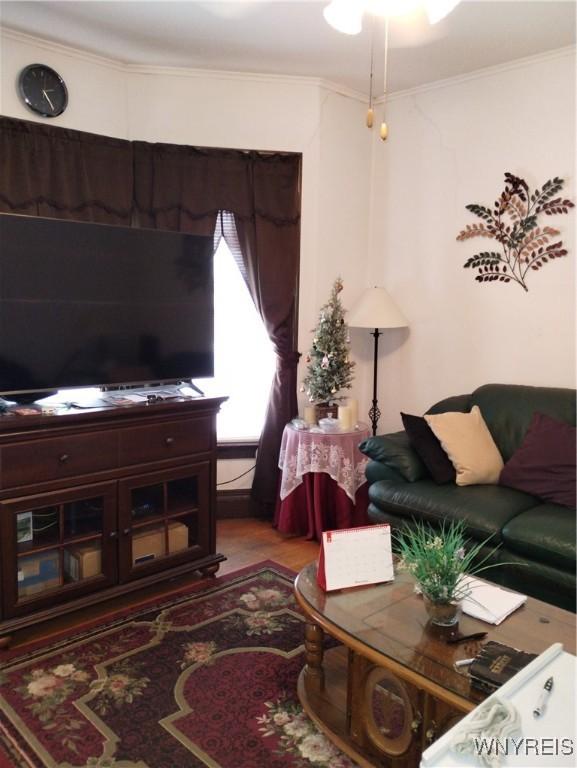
(61,173)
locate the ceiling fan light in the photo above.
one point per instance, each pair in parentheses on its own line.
(438,9)
(392,8)
(344,16)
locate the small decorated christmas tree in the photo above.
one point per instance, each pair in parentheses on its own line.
(329,369)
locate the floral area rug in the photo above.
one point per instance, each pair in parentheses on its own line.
(205,678)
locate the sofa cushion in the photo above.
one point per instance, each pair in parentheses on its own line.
(469,445)
(429,449)
(550,583)
(545,533)
(544,464)
(395,451)
(376,470)
(484,508)
(509,408)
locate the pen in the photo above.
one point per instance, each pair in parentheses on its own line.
(545,693)
(464,662)
(463,638)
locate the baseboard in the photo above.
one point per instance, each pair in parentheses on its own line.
(234,503)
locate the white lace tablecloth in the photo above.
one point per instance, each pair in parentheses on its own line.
(337,454)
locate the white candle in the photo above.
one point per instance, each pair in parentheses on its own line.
(354,409)
(310,415)
(345,417)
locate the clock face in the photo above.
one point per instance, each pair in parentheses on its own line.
(43,90)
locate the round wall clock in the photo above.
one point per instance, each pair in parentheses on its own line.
(43,90)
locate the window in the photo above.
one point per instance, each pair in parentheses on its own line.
(244,359)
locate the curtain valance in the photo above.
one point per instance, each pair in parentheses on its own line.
(65,174)
(179,182)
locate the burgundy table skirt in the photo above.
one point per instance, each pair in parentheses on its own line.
(318,504)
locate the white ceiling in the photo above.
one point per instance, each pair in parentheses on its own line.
(292,38)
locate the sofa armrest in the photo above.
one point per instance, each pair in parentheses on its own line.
(394,451)
(377,471)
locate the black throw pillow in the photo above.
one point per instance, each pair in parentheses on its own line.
(429,449)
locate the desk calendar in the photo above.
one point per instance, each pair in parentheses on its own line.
(352,557)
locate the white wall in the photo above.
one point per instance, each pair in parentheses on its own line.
(238,111)
(449,145)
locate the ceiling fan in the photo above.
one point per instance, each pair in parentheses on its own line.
(347,15)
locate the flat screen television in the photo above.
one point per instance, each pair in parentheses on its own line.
(86,304)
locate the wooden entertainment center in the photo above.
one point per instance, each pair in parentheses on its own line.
(96,503)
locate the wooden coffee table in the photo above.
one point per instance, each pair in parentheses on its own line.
(388,687)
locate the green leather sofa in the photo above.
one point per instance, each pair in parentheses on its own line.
(537,537)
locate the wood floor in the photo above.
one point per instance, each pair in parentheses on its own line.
(243,541)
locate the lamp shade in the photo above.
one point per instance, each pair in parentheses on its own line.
(376,309)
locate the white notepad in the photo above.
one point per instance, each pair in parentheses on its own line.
(488,602)
(351,557)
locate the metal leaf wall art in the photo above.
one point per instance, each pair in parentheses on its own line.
(525,247)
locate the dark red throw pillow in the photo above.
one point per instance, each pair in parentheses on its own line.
(544,463)
(429,449)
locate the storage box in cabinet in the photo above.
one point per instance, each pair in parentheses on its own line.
(37,573)
(82,562)
(177,537)
(150,544)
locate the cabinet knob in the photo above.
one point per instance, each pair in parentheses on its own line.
(113,534)
(431,733)
(416,722)
(168,440)
(64,458)
(126,531)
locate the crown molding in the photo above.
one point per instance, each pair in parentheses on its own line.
(479,74)
(259,77)
(187,72)
(315,82)
(65,50)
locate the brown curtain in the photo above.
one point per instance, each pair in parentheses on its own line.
(64,174)
(61,173)
(185,188)
(270,249)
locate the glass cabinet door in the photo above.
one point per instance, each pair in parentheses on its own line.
(164,516)
(62,542)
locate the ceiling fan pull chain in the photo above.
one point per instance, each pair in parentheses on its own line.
(384,130)
(370,112)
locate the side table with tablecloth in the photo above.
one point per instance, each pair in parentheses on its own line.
(322,484)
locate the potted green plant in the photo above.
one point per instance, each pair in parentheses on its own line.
(439,559)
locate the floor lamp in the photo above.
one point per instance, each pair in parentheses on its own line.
(375,309)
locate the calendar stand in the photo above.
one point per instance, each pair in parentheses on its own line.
(353,557)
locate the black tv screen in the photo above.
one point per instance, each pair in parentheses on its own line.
(97,305)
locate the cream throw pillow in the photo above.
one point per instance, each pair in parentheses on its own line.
(468,443)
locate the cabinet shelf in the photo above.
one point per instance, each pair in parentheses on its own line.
(32,550)
(159,519)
